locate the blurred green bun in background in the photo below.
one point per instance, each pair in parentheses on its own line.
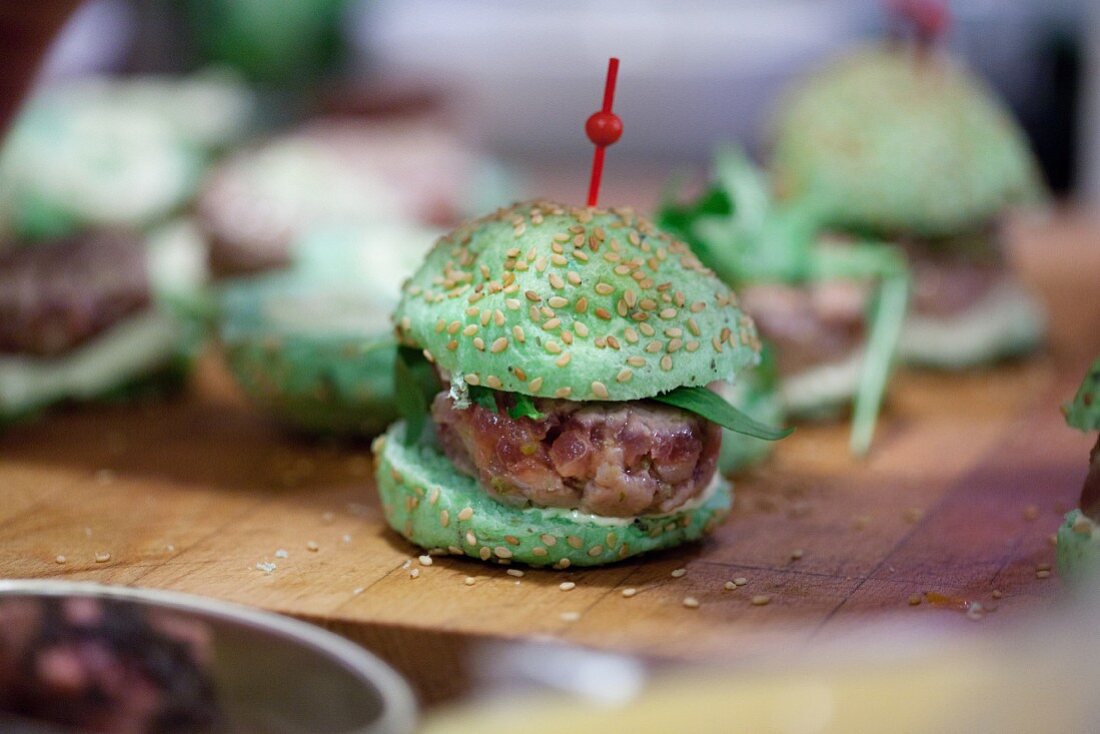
(890,140)
(314,346)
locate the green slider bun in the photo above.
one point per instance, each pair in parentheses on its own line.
(313,346)
(582,304)
(75,163)
(1083,412)
(889,141)
(435,507)
(1078,537)
(551,301)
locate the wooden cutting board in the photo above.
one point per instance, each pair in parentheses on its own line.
(967,482)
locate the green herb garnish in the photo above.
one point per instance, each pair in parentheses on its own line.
(414,385)
(525,408)
(523,405)
(706,404)
(484,397)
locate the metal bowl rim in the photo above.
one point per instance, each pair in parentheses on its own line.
(398,702)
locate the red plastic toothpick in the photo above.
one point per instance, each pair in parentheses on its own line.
(928,18)
(603,129)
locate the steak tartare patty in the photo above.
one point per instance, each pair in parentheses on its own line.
(605,458)
(58,295)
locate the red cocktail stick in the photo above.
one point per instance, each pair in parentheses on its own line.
(929,18)
(603,129)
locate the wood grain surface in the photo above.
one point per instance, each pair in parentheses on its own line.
(968,480)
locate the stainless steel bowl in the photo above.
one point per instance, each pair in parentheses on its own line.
(274,675)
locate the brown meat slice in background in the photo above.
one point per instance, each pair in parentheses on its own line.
(58,295)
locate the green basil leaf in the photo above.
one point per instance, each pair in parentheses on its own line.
(707,404)
(525,408)
(484,397)
(414,385)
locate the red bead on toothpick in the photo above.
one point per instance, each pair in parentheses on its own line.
(603,129)
(928,18)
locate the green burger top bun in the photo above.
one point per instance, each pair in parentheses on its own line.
(571,423)
(579,304)
(898,139)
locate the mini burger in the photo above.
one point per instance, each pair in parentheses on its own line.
(1078,537)
(98,314)
(553,376)
(900,142)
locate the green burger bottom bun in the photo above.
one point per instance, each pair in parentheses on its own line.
(435,507)
(1005,323)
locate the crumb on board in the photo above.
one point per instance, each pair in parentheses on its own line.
(425,560)
(267,567)
(690,602)
(913,514)
(414,573)
(281,553)
(629,592)
(469,581)
(358,590)
(514,572)
(797,553)
(729,586)
(567,586)
(914,600)
(312,546)
(1043,574)
(761,600)
(102,557)
(570,616)
(678,573)
(60,559)
(740,581)
(997,594)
